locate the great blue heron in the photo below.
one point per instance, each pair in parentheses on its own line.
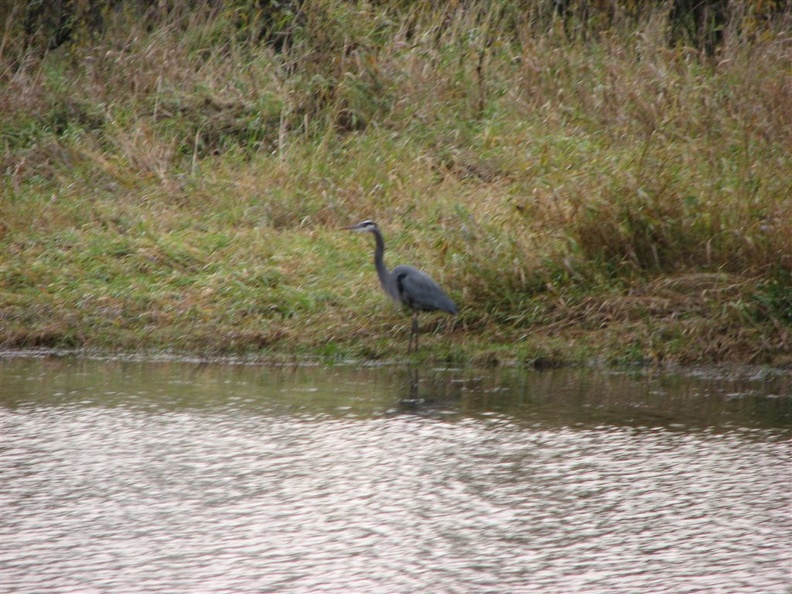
(406,285)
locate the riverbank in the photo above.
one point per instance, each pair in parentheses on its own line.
(667,324)
(174,183)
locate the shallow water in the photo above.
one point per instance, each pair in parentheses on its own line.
(123,476)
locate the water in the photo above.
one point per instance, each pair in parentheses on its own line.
(124,476)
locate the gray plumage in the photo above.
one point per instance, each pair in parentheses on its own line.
(407,285)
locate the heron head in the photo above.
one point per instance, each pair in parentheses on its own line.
(364,226)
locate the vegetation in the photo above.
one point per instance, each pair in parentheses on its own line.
(585,185)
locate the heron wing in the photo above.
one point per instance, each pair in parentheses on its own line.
(418,291)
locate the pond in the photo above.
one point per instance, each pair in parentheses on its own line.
(132,476)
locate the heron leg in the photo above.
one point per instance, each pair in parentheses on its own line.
(413,332)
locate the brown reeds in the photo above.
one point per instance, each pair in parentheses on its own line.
(587,183)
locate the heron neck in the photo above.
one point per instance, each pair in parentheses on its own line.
(379,262)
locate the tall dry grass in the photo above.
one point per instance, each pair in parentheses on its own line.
(531,160)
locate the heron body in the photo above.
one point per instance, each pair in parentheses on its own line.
(407,285)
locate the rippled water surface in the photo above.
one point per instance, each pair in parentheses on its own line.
(178,477)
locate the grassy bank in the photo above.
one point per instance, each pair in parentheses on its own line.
(177,182)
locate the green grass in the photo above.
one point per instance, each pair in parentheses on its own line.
(173,182)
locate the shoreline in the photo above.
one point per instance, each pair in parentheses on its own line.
(720,370)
